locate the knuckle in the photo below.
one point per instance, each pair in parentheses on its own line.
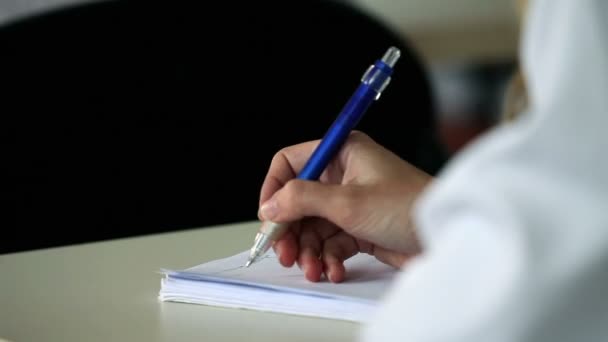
(357,142)
(278,157)
(358,137)
(291,191)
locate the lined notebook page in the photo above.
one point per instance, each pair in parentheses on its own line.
(267,286)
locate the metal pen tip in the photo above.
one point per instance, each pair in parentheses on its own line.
(248,263)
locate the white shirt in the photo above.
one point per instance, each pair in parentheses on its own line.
(516,228)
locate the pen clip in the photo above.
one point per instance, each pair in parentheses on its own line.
(375,78)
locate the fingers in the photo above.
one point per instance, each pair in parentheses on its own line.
(310,249)
(285,166)
(303,243)
(343,246)
(340,204)
(320,247)
(288,162)
(287,249)
(336,250)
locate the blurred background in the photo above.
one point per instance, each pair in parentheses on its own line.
(471,50)
(123,118)
(469,47)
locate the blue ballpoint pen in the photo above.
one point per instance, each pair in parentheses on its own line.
(373,82)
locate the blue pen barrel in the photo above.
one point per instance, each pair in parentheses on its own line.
(373,82)
(338,132)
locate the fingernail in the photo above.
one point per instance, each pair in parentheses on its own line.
(269,209)
(331,277)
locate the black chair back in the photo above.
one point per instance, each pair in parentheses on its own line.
(125,118)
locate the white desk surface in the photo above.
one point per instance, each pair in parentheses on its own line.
(107,291)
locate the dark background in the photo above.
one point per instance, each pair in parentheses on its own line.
(127,118)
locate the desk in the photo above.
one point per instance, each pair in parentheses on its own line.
(107,291)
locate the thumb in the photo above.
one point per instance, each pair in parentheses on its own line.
(338,204)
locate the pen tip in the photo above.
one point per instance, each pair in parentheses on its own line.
(248,263)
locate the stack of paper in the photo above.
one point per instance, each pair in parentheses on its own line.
(267,286)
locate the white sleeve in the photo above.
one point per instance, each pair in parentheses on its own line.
(516,228)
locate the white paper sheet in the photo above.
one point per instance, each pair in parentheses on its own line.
(267,286)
